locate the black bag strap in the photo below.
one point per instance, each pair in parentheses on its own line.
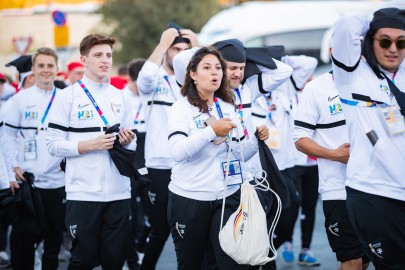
(399,95)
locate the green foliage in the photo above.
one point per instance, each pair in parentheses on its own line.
(138,24)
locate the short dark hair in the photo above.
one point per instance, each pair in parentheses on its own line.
(189,89)
(123,70)
(134,67)
(44,51)
(92,40)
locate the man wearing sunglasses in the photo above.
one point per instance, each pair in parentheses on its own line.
(370,79)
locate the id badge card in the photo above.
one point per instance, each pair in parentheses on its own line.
(274,140)
(393,119)
(235,172)
(30,150)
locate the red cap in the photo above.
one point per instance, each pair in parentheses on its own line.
(118,82)
(2,77)
(72,65)
(61,73)
(15,85)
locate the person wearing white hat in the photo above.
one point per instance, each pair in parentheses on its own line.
(23,64)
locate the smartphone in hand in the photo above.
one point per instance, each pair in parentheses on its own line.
(209,122)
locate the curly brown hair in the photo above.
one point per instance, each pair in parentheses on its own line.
(189,89)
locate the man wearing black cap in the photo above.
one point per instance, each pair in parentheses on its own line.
(24,66)
(371,85)
(158,87)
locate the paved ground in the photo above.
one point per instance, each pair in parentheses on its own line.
(320,247)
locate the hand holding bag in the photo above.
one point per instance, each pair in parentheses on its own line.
(124,159)
(121,156)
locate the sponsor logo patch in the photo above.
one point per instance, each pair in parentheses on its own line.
(31,115)
(85,115)
(376,249)
(181,229)
(73,230)
(82,106)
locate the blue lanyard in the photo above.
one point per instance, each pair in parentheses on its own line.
(218,108)
(240,98)
(49,106)
(170,86)
(358,103)
(94,103)
(228,137)
(269,111)
(137,113)
(245,132)
(47,109)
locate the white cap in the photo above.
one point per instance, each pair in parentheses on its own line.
(180,63)
(22,78)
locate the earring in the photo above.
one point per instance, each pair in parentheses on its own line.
(195,82)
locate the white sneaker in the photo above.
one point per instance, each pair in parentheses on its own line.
(4,260)
(38,256)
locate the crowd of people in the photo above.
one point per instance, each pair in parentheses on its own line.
(192,117)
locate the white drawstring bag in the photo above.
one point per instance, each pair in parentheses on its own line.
(244,237)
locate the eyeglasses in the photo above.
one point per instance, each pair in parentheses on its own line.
(385,43)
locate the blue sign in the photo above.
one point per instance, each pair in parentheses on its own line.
(59,18)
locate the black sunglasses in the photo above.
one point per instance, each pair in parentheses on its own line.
(385,43)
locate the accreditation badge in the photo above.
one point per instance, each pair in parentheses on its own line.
(30,149)
(235,172)
(274,140)
(393,119)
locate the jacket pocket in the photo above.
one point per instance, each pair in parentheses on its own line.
(386,162)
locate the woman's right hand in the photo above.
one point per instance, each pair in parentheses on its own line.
(223,126)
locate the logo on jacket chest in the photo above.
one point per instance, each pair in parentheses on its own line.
(199,123)
(386,90)
(335,108)
(30,115)
(85,115)
(162,90)
(332,98)
(116,108)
